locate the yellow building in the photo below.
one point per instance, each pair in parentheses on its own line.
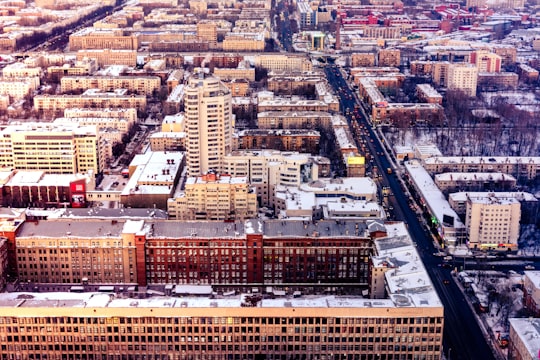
(293,119)
(214,197)
(463,77)
(90,38)
(142,85)
(493,222)
(208,123)
(238,73)
(91,99)
(281,62)
(244,42)
(106,57)
(56,149)
(207,31)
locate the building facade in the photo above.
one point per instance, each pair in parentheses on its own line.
(214,197)
(208,123)
(463,77)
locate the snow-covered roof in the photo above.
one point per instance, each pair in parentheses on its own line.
(528,331)
(476,176)
(518,195)
(431,194)
(407,281)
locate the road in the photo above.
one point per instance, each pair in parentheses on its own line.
(462,337)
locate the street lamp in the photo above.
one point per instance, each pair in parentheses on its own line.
(449,353)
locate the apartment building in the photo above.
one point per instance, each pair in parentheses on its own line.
(18,88)
(20,69)
(389,57)
(207,31)
(289,82)
(486,61)
(366,59)
(237,256)
(92,38)
(106,57)
(521,167)
(300,140)
(56,149)
(239,73)
(453,182)
(492,222)
(531,292)
(292,105)
(84,67)
(129,114)
(244,42)
(267,169)
(427,93)
(281,62)
(208,123)
(524,334)
(214,197)
(92,98)
(463,77)
(142,85)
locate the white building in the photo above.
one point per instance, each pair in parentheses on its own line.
(208,123)
(267,169)
(463,77)
(492,222)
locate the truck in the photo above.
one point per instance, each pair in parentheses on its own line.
(389,170)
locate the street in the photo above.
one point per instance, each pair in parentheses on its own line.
(463,338)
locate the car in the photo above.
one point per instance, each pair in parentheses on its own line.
(446,282)
(529,267)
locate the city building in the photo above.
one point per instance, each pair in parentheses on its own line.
(486,61)
(521,167)
(531,292)
(427,93)
(453,182)
(284,62)
(524,335)
(286,104)
(55,149)
(214,197)
(293,119)
(91,98)
(463,77)
(32,188)
(18,88)
(127,114)
(300,140)
(93,38)
(142,85)
(492,223)
(389,57)
(84,67)
(208,123)
(341,198)
(267,169)
(153,177)
(106,57)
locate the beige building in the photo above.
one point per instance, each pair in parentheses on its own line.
(486,61)
(172,136)
(91,38)
(389,57)
(18,88)
(492,222)
(281,62)
(207,31)
(267,169)
(463,77)
(366,59)
(239,324)
(105,57)
(84,67)
(244,42)
(20,69)
(238,73)
(208,123)
(142,85)
(214,197)
(524,334)
(91,98)
(293,119)
(130,114)
(56,149)
(520,167)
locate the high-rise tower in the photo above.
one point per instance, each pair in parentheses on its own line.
(208,119)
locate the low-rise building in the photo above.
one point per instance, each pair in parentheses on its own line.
(143,85)
(105,57)
(300,140)
(492,223)
(153,177)
(214,197)
(454,182)
(531,292)
(524,335)
(293,119)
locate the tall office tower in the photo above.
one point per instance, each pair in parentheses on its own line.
(209,123)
